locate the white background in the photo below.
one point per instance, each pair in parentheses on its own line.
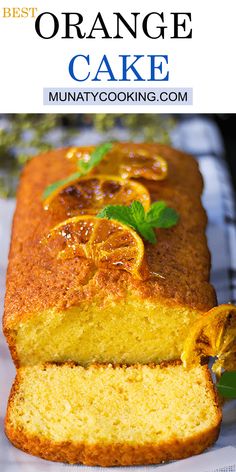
(206,63)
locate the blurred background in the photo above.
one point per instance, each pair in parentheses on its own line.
(227,127)
(24,135)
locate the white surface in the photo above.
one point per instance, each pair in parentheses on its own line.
(204,63)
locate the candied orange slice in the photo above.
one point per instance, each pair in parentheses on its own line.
(126,162)
(213,335)
(107,243)
(88,195)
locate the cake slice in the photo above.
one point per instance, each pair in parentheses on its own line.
(60,310)
(105,415)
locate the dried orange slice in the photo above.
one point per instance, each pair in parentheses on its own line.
(126,162)
(107,243)
(88,195)
(213,335)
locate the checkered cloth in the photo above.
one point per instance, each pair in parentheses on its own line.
(200,137)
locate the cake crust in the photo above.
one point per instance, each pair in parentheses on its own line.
(114,454)
(36,281)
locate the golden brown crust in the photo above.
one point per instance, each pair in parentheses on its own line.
(36,281)
(113,454)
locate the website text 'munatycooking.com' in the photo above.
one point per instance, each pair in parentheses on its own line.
(118,96)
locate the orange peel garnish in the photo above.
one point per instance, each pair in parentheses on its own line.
(126,162)
(88,195)
(107,243)
(214,334)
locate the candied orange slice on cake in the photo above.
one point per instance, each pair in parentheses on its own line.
(88,195)
(126,162)
(213,335)
(107,243)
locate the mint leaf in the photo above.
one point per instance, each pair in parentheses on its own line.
(137,212)
(161,216)
(95,158)
(84,168)
(147,232)
(158,216)
(154,212)
(117,212)
(51,188)
(140,223)
(167,218)
(133,216)
(227,385)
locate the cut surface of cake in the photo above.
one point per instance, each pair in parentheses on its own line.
(60,310)
(105,415)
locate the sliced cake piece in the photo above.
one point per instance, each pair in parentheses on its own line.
(105,415)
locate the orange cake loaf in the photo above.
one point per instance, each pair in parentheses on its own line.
(68,309)
(106,415)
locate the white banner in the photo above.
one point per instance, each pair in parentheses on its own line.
(159,57)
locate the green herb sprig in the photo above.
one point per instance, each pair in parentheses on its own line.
(159,215)
(84,168)
(227,385)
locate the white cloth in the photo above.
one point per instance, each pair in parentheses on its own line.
(200,137)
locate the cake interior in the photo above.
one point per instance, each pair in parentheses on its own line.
(137,404)
(130,331)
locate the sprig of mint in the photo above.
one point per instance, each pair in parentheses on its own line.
(84,168)
(227,385)
(52,187)
(95,158)
(159,215)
